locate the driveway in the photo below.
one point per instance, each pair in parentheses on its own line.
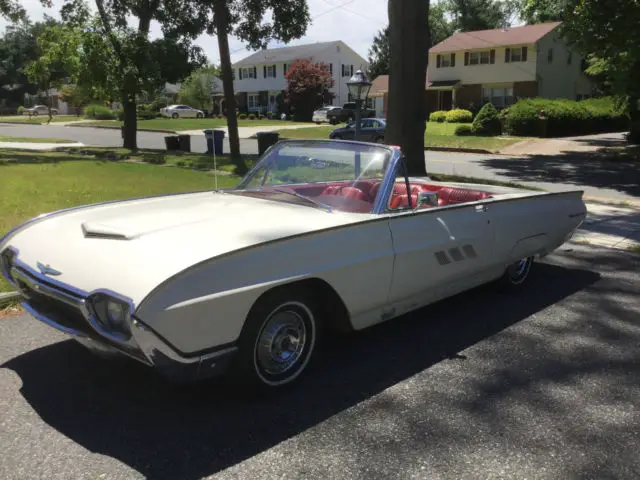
(544,384)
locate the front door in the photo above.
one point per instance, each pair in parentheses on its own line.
(438,252)
(446,100)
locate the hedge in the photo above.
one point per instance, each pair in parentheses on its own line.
(458,115)
(563,117)
(440,116)
(463,130)
(487,121)
(99,112)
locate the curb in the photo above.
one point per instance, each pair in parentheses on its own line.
(613,201)
(118,128)
(8,296)
(460,150)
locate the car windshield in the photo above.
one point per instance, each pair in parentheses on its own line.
(332,175)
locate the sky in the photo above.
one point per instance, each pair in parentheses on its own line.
(355,22)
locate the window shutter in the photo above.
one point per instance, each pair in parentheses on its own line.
(264,71)
(466,58)
(255,72)
(351,74)
(275,71)
(524,54)
(438,61)
(240,73)
(492,56)
(453,59)
(507,55)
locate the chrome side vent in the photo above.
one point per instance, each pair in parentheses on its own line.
(456,254)
(442,258)
(469,251)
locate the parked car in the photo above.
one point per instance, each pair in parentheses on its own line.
(244,280)
(181,111)
(371,130)
(320,115)
(348,113)
(39,110)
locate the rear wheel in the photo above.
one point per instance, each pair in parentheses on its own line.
(199,115)
(516,274)
(175,115)
(278,339)
(337,137)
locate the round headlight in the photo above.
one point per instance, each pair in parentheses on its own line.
(116,313)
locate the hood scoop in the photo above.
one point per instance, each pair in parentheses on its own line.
(101,230)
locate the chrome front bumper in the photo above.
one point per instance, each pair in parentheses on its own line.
(65,309)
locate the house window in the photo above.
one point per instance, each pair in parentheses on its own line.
(252,101)
(445,61)
(500,96)
(517,54)
(347,70)
(480,58)
(249,72)
(270,71)
(550,55)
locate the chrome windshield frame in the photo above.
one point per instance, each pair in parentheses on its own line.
(379,206)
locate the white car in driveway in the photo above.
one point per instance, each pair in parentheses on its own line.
(320,116)
(39,110)
(181,111)
(319,236)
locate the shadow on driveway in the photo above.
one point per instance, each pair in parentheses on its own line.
(122,410)
(595,169)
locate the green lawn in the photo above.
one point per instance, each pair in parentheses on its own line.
(189,123)
(4,138)
(437,135)
(79,179)
(38,119)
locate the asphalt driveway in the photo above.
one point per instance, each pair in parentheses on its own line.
(543,384)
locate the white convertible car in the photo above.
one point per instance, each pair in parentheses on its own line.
(320,236)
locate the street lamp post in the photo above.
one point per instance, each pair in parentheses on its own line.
(359,87)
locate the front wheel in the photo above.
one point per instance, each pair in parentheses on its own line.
(516,274)
(199,115)
(175,115)
(278,339)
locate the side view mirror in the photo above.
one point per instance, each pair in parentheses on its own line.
(427,199)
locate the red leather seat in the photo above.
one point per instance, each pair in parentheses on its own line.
(453,196)
(352,192)
(331,190)
(401,201)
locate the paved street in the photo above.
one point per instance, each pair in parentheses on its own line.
(544,384)
(617,180)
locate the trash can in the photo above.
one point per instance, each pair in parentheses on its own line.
(185,142)
(172,142)
(265,140)
(215,140)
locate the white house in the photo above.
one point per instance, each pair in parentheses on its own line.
(260,78)
(500,66)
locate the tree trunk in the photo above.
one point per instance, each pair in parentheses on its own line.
(407,110)
(50,101)
(222,24)
(634,120)
(130,128)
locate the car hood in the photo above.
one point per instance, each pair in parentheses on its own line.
(132,246)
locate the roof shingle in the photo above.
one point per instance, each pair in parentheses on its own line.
(527,34)
(284,54)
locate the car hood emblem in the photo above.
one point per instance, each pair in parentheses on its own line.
(47,270)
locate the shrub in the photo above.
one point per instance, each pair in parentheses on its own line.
(242,116)
(252,116)
(440,116)
(20,110)
(99,112)
(487,122)
(462,130)
(269,115)
(121,115)
(261,117)
(219,116)
(458,116)
(564,117)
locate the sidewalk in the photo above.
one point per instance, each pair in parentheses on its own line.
(248,132)
(37,146)
(564,145)
(611,227)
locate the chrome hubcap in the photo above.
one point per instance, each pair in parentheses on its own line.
(281,342)
(519,270)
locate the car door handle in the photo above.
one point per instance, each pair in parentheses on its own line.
(481,208)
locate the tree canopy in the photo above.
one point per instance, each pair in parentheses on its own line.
(196,89)
(307,86)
